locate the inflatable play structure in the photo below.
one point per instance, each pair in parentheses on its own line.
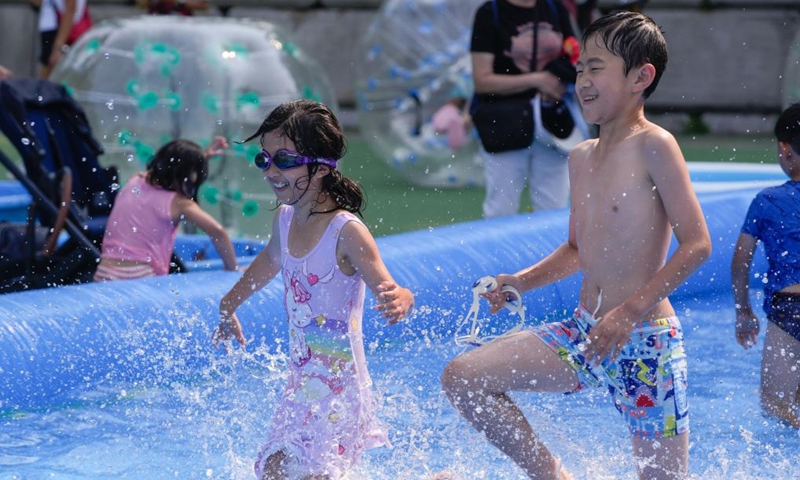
(58,340)
(415,58)
(146,80)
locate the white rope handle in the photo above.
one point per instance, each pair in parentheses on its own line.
(513,304)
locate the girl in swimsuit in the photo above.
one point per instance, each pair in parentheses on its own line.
(326,257)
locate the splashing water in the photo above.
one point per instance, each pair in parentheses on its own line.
(211,423)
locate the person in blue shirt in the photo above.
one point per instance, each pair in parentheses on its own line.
(774,220)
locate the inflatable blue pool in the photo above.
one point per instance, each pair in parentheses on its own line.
(121,380)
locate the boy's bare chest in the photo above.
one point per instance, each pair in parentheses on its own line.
(612,192)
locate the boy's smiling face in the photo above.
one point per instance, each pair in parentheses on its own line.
(601,84)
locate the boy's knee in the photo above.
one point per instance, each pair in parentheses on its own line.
(772,399)
(454,377)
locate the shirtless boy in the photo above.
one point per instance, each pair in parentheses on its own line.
(630,193)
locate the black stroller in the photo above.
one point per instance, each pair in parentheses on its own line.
(71,191)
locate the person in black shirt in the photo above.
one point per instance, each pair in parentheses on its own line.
(501,51)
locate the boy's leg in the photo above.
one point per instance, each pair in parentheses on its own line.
(476,384)
(663,458)
(780,375)
(505,174)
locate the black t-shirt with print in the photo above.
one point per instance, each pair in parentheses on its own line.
(516,25)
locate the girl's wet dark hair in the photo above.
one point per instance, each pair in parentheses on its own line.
(179,166)
(316,132)
(633,37)
(787,128)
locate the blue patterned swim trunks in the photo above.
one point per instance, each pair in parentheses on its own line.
(647,380)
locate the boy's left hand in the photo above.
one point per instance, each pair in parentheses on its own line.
(394,301)
(610,335)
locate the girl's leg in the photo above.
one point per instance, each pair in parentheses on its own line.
(662,459)
(476,384)
(780,375)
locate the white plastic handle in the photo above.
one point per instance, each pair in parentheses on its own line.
(484,285)
(513,304)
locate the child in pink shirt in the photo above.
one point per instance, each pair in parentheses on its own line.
(143,224)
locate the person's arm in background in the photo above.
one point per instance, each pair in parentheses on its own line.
(483,48)
(5,73)
(64,27)
(193,213)
(486,81)
(747,326)
(190,211)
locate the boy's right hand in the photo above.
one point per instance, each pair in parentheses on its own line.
(228,327)
(497,300)
(747,327)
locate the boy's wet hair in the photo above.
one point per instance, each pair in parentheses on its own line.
(787,128)
(635,38)
(179,166)
(315,132)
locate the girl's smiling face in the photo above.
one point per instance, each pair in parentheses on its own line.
(289,185)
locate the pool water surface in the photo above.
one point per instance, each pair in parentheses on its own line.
(211,425)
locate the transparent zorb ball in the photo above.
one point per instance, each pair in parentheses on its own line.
(415,58)
(144,81)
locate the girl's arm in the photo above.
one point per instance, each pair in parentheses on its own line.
(266,265)
(188,209)
(747,326)
(358,252)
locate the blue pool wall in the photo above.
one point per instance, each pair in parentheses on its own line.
(157,330)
